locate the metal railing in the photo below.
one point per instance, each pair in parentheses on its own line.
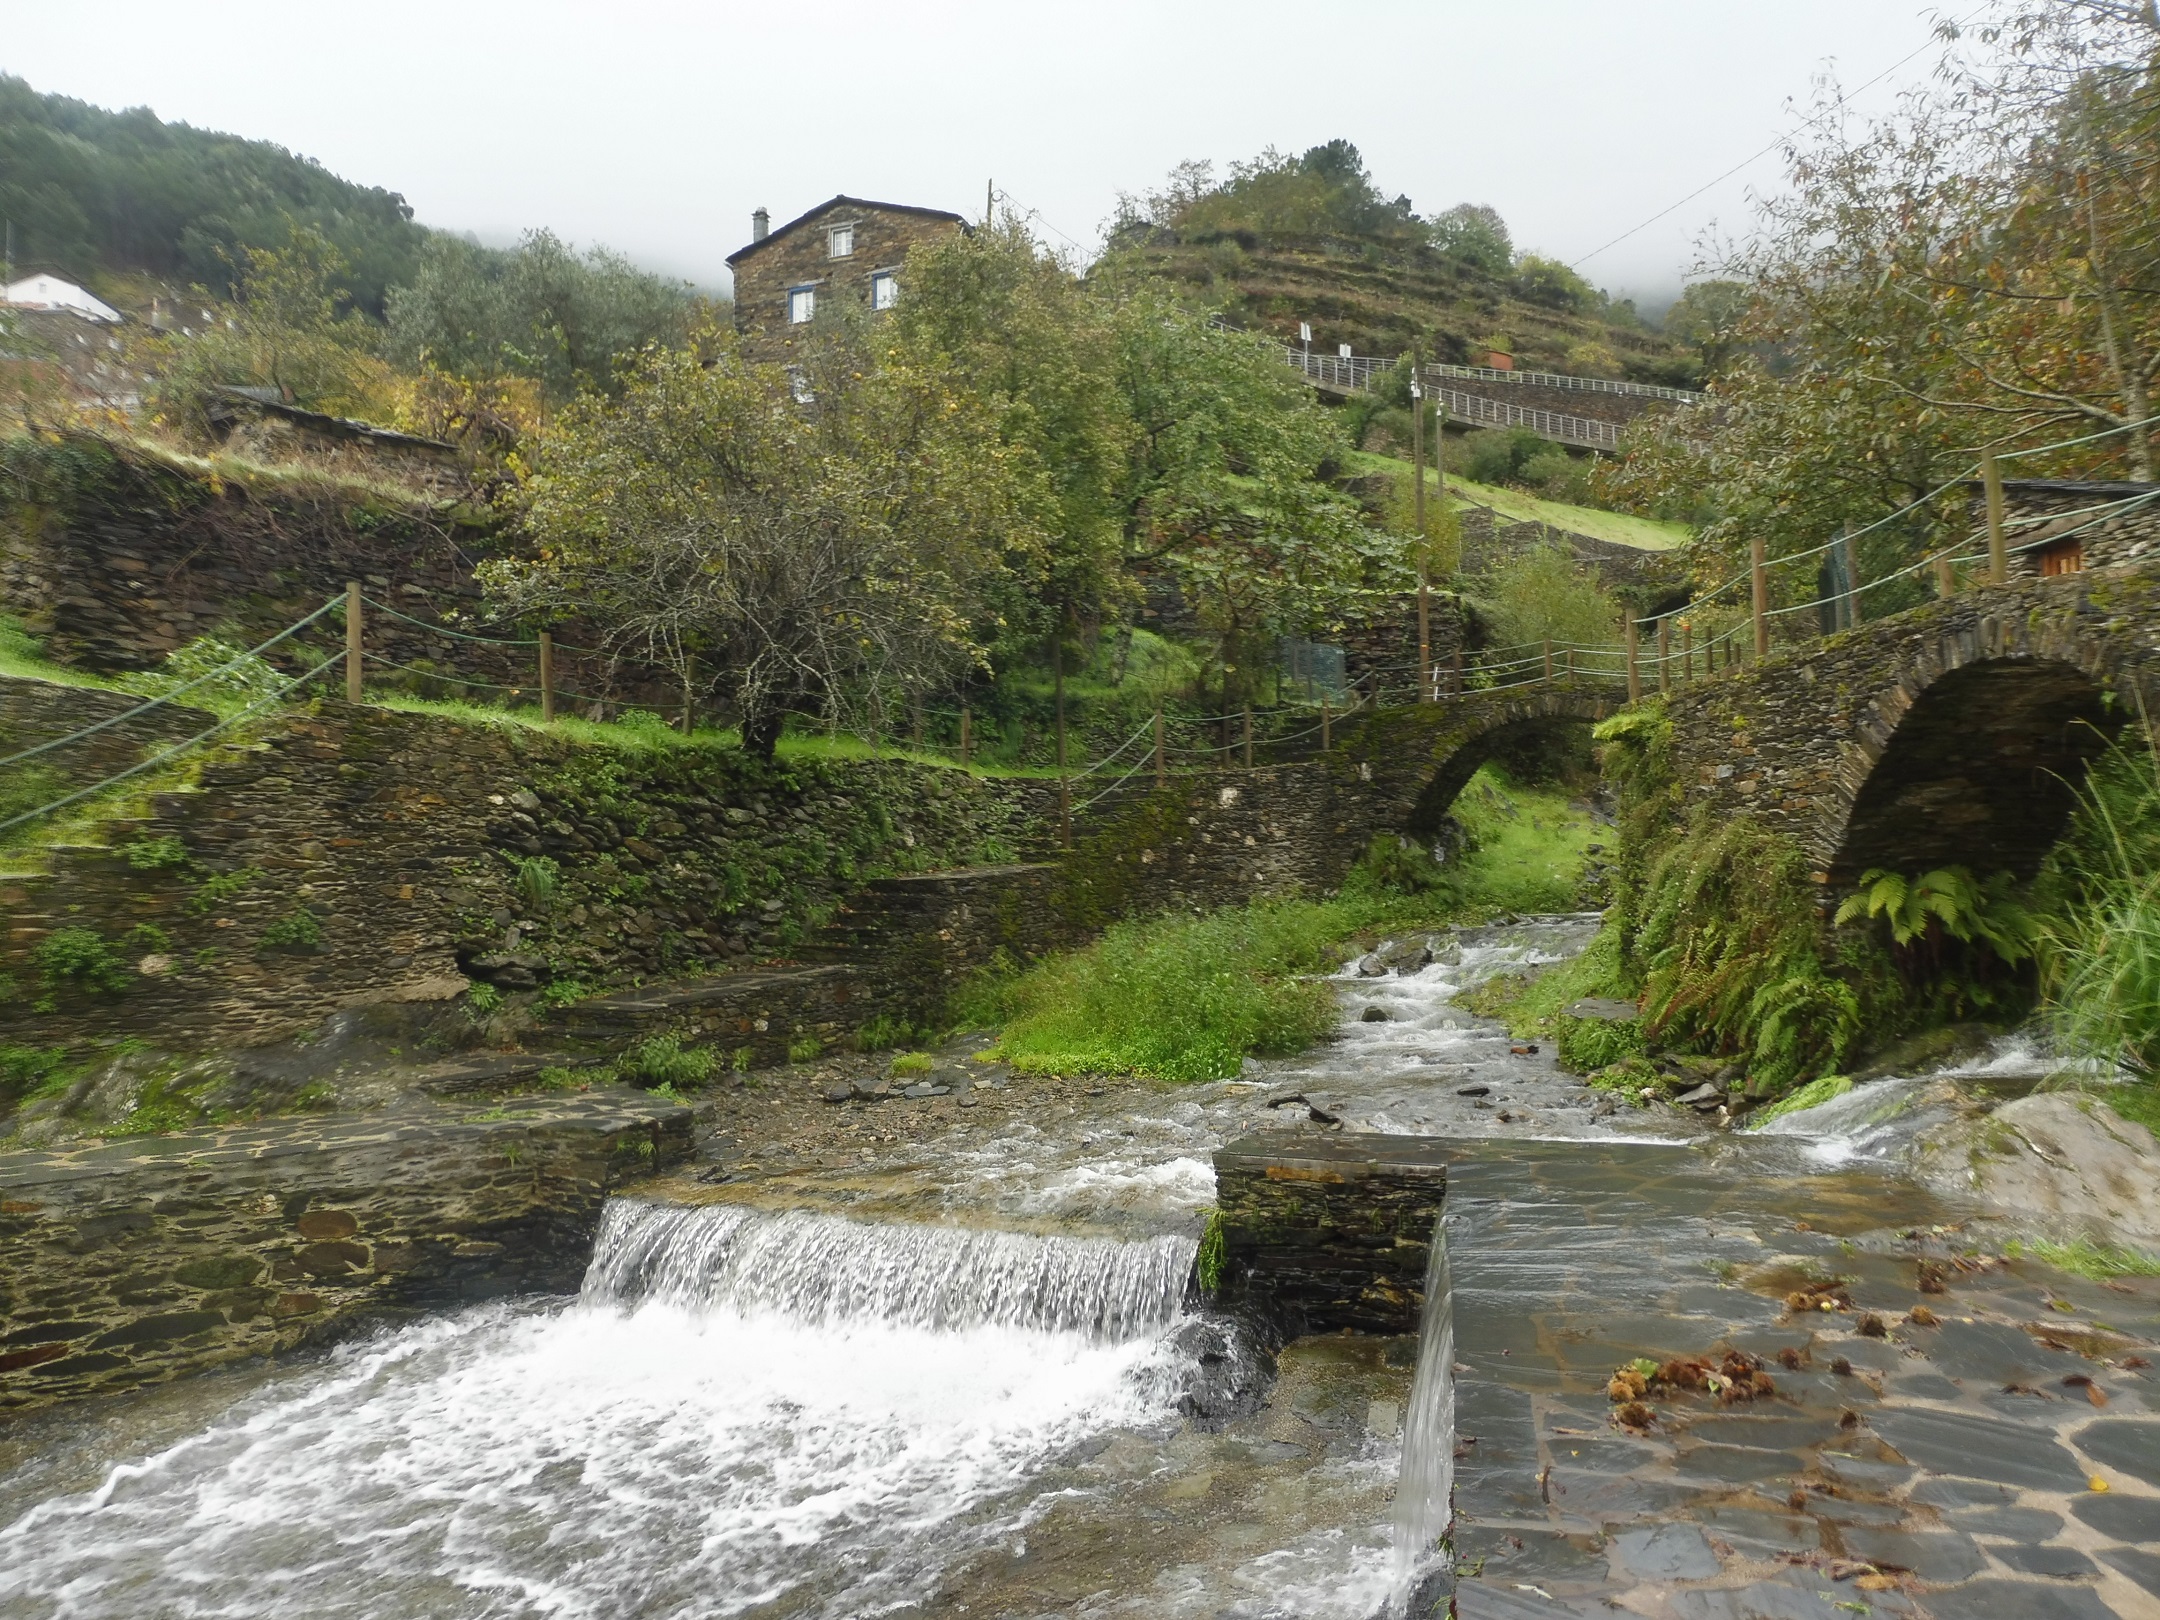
(1581,385)
(1356,373)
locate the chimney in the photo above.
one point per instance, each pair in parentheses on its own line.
(760,225)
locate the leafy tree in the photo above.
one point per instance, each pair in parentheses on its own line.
(1540,593)
(1475,234)
(1549,282)
(289,328)
(818,555)
(1707,318)
(543,311)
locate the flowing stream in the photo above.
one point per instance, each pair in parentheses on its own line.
(962,1380)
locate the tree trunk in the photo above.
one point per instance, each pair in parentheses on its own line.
(761,732)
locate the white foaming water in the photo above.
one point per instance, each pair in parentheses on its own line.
(713,1428)
(1879,1120)
(1424,1496)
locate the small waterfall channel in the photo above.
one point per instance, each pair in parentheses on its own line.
(1424,1494)
(743,1411)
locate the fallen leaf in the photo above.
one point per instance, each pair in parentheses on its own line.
(2096,1483)
(2095,1394)
(1877,1583)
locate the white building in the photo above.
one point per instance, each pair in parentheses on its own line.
(50,292)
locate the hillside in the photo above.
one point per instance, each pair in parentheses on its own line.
(1313,238)
(109,197)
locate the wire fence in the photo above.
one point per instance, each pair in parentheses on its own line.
(1726,627)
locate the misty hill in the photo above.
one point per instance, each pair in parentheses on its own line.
(90,191)
(1313,238)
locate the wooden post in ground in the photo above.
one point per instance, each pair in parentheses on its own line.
(1548,662)
(967,718)
(689,698)
(1326,737)
(1852,581)
(352,641)
(1687,651)
(1567,662)
(1945,577)
(547,678)
(1998,541)
(1427,684)
(1456,661)
(1630,635)
(1161,775)
(1248,735)
(1664,655)
(1064,782)
(1759,570)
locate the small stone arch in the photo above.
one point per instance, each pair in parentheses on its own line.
(1974,756)
(1421,758)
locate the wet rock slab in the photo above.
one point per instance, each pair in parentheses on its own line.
(1932,1472)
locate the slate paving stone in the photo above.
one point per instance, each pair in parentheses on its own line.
(1862,1473)
(1853,1510)
(2024,1600)
(1736,1465)
(1923,1385)
(1665,1552)
(1600,1497)
(1495,1600)
(2010,1523)
(1749,1529)
(1933,1555)
(2028,1558)
(1979,1448)
(1499,1493)
(2126,1518)
(1793,1595)
(1997,1354)
(1937,1490)
(1767,1432)
(1600,1454)
(2126,1444)
(1515,1553)
(2141,1564)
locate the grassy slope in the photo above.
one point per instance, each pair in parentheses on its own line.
(1188,998)
(1645,534)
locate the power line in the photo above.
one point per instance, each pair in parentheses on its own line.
(1773,146)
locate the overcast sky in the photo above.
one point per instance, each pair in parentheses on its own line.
(656,127)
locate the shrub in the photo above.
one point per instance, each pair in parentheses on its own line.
(157,854)
(1597,1043)
(483,1000)
(214,891)
(535,877)
(1393,864)
(1498,455)
(562,992)
(235,676)
(30,1072)
(2100,947)
(663,1060)
(79,959)
(804,1050)
(298,930)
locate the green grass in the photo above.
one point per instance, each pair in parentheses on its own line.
(1811,1095)
(2138,1101)
(2084,1258)
(1645,534)
(1183,998)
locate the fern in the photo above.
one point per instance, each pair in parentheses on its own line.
(1950,900)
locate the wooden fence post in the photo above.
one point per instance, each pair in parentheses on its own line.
(1456,661)
(1759,569)
(1945,577)
(967,717)
(1161,775)
(689,698)
(1664,655)
(353,670)
(547,678)
(1326,739)
(1998,541)
(1548,661)
(1634,668)
(1852,581)
(1248,735)
(1687,651)
(1064,782)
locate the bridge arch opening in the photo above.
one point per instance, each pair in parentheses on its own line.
(1981,772)
(1530,749)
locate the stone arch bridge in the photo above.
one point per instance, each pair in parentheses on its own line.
(1953,733)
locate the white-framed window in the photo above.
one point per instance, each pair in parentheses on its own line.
(840,241)
(801,305)
(884,289)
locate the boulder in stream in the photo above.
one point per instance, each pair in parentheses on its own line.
(2062,1159)
(1224,1370)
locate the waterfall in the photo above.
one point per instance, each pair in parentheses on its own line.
(1423,1494)
(820,1269)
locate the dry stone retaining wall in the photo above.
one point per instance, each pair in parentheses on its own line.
(127,1263)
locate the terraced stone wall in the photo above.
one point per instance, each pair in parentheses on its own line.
(128,1263)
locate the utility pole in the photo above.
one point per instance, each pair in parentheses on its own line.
(1064,784)
(1417,519)
(1998,544)
(989,201)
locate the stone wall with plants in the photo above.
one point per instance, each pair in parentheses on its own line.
(120,1268)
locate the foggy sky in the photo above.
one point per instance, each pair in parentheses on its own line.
(656,126)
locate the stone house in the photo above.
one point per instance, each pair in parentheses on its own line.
(844,248)
(2066,525)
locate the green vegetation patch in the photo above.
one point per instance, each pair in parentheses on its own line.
(1812,1095)
(2084,1258)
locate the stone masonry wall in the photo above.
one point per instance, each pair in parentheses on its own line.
(798,255)
(121,1266)
(1794,740)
